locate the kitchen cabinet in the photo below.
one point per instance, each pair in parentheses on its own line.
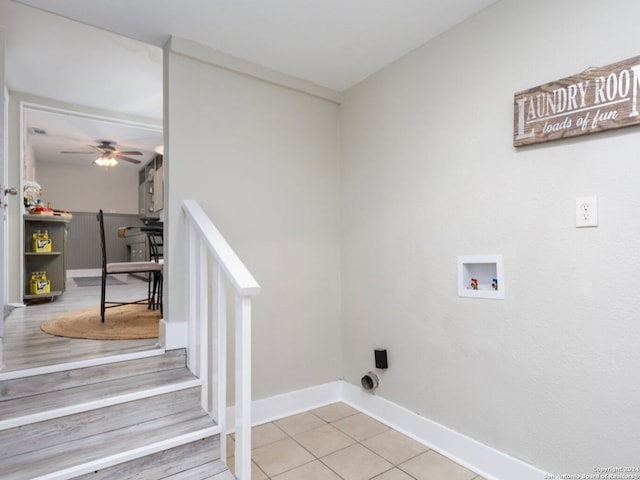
(151,189)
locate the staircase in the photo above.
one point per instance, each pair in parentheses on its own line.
(137,419)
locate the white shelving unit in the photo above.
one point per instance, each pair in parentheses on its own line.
(488,272)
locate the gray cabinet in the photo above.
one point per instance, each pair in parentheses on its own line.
(151,189)
(137,250)
(54,262)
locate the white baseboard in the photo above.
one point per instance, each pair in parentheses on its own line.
(482,459)
(287,404)
(84,272)
(477,457)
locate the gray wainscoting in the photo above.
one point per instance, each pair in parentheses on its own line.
(83,239)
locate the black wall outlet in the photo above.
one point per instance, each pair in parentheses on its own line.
(381,358)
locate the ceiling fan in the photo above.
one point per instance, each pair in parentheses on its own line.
(108,151)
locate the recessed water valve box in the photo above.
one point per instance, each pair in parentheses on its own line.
(481,276)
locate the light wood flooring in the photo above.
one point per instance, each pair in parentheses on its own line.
(26,346)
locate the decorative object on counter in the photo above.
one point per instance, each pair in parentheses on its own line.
(32,192)
(494,283)
(40,209)
(474,283)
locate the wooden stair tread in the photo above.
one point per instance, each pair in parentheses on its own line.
(27,386)
(44,434)
(130,419)
(84,450)
(196,458)
(61,399)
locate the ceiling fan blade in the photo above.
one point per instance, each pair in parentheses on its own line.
(127,159)
(100,149)
(133,152)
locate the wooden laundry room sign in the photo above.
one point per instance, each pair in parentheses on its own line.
(596,100)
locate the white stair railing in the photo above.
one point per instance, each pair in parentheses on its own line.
(211,260)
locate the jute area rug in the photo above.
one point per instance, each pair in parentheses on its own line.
(126,322)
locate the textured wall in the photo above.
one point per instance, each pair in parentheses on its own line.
(263,161)
(88,188)
(550,374)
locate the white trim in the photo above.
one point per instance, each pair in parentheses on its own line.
(235,270)
(287,404)
(482,459)
(173,335)
(196,51)
(477,457)
(149,124)
(273,408)
(84,272)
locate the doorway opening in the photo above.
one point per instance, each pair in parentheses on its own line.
(73,185)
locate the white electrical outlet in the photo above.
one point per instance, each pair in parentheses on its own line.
(587,211)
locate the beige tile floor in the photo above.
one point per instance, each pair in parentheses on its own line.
(338,442)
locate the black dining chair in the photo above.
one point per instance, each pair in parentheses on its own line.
(153,268)
(155,240)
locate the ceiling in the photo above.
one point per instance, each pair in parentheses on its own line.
(118,67)
(333,43)
(51,133)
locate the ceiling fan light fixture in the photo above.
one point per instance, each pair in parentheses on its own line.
(159,149)
(105,161)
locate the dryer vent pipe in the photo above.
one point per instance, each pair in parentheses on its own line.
(370,381)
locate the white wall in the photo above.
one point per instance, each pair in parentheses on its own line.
(550,374)
(263,161)
(89,188)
